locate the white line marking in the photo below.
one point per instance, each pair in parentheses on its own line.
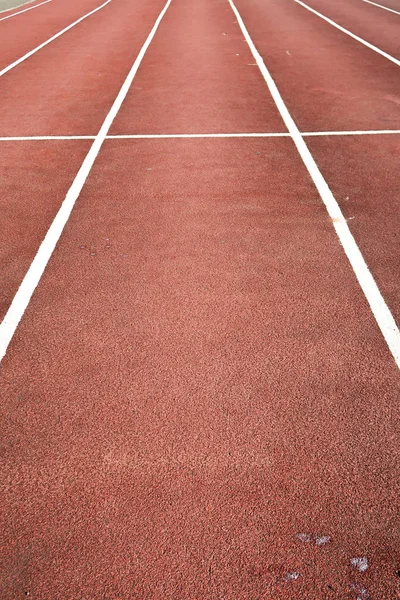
(25,10)
(156,136)
(366,132)
(195,135)
(250,135)
(54,37)
(396,12)
(45,138)
(141,136)
(371,46)
(35,271)
(380,310)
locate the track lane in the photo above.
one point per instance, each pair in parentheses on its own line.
(383,7)
(69,86)
(14,12)
(199,50)
(376,26)
(354,91)
(327,80)
(58,87)
(199,379)
(20,35)
(362,173)
(30,196)
(394,4)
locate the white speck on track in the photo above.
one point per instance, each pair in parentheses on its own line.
(304,537)
(291,576)
(360,563)
(362,592)
(321,540)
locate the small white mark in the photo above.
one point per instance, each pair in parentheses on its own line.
(362,592)
(287,52)
(224,33)
(360,563)
(304,537)
(321,540)
(347,197)
(148,169)
(291,576)
(350,218)
(237,54)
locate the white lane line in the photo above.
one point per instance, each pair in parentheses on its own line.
(195,135)
(35,271)
(359,132)
(396,12)
(249,135)
(45,138)
(156,136)
(25,10)
(54,37)
(355,37)
(141,136)
(380,310)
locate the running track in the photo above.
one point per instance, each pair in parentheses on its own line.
(199,402)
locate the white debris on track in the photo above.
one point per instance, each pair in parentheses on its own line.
(320,540)
(291,576)
(360,563)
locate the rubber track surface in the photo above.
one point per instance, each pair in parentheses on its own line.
(373,24)
(198,403)
(26,31)
(68,87)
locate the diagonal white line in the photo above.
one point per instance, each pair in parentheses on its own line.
(396,12)
(380,310)
(35,271)
(54,37)
(25,10)
(355,37)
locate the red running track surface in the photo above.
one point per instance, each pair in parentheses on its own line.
(24,32)
(198,76)
(328,80)
(371,23)
(198,379)
(30,197)
(363,174)
(68,87)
